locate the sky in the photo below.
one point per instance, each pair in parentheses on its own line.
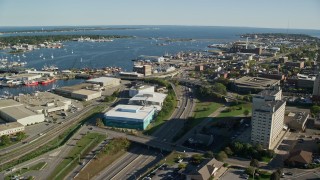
(298,14)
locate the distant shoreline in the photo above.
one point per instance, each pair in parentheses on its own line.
(79,29)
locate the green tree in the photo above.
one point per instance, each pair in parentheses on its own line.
(197,158)
(275,176)
(221,156)
(20,136)
(209,154)
(99,122)
(315,110)
(250,170)
(219,88)
(254,163)
(228,151)
(246,112)
(182,166)
(5,140)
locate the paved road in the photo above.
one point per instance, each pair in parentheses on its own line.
(199,126)
(50,135)
(161,138)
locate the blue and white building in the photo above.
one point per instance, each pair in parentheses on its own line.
(130,116)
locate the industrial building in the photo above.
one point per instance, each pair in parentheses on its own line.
(83,91)
(10,128)
(130,116)
(251,84)
(105,81)
(24,77)
(12,111)
(146,70)
(267,117)
(149,99)
(130,74)
(42,73)
(139,89)
(44,102)
(85,94)
(296,120)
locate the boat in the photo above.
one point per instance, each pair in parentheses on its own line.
(52,56)
(31,83)
(50,68)
(47,81)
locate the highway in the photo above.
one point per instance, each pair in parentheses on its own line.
(50,135)
(132,164)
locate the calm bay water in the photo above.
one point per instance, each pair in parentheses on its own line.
(120,52)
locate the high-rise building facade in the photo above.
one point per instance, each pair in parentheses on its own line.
(316,89)
(268,111)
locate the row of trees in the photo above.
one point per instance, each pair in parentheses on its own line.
(217,90)
(111,98)
(6,140)
(116,145)
(247,150)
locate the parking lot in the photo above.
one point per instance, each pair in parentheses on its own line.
(232,174)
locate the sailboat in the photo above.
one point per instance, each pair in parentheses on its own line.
(52,56)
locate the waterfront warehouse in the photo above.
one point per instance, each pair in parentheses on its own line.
(105,81)
(12,111)
(130,116)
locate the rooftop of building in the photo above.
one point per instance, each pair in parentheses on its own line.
(141,86)
(154,97)
(9,103)
(206,168)
(41,98)
(102,80)
(18,112)
(296,119)
(256,81)
(85,92)
(10,125)
(76,87)
(23,75)
(270,91)
(272,106)
(130,111)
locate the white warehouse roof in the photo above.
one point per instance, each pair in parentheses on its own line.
(153,97)
(104,80)
(130,112)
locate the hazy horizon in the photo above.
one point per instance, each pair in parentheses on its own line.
(292,14)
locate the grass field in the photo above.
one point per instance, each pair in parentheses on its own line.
(204,109)
(35,167)
(237,110)
(83,146)
(172,158)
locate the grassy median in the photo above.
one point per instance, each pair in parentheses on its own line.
(83,146)
(202,110)
(110,153)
